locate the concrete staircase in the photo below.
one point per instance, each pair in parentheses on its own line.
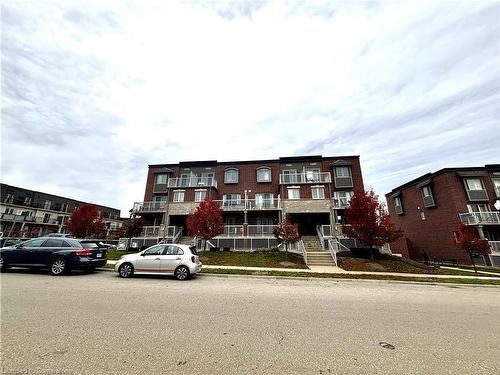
(316,256)
(186,240)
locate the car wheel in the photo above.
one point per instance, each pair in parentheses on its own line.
(58,267)
(3,264)
(126,270)
(182,273)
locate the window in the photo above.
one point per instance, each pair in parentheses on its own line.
(33,243)
(9,210)
(341,199)
(474,184)
(342,172)
(478,208)
(398,205)
(200,195)
(264,174)
(179,196)
(161,179)
(264,200)
(173,250)
(231,200)
(231,176)
(64,207)
(185,180)
(27,201)
(318,192)
(496,184)
(52,243)
(294,193)
(313,175)
(427,196)
(46,218)
(47,204)
(475,189)
(155,250)
(422,215)
(289,176)
(204,179)
(8,198)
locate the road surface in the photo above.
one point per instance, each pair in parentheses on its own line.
(101,324)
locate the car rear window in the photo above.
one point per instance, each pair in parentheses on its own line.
(90,245)
(52,243)
(73,243)
(193,250)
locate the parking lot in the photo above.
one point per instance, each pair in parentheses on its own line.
(102,324)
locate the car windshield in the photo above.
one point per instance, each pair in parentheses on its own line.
(193,250)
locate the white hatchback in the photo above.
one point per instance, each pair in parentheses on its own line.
(182,261)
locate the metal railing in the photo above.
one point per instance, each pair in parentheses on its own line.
(232,231)
(238,243)
(340,203)
(260,230)
(474,218)
(180,182)
(250,204)
(305,178)
(495,247)
(150,231)
(157,206)
(332,251)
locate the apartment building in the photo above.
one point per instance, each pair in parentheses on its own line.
(255,196)
(27,213)
(430,207)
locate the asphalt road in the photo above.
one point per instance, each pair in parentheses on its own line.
(101,324)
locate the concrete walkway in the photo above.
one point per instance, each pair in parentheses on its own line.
(338,270)
(472,271)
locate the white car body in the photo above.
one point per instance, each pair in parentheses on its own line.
(161,259)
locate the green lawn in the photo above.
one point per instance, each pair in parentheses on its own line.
(114,254)
(479,268)
(386,263)
(267,258)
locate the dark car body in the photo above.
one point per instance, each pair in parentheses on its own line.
(45,252)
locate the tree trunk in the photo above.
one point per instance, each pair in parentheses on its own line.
(372,257)
(204,244)
(286,251)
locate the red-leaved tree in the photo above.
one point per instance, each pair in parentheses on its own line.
(131,228)
(468,240)
(86,222)
(287,233)
(368,221)
(206,221)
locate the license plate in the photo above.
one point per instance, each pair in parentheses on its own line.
(99,255)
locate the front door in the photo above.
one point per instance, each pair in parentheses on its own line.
(149,260)
(171,258)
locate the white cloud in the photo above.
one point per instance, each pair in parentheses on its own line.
(97,90)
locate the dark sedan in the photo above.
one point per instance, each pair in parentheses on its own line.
(59,255)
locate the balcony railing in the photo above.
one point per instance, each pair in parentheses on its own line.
(251,204)
(305,178)
(260,230)
(495,247)
(150,231)
(340,203)
(149,206)
(182,182)
(232,231)
(475,218)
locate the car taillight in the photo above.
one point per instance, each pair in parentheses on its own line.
(192,259)
(83,252)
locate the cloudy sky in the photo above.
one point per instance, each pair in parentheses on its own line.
(94,91)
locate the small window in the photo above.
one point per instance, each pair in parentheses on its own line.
(200,195)
(427,196)
(52,243)
(318,192)
(422,215)
(9,210)
(179,196)
(27,201)
(155,250)
(231,176)
(231,200)
(474,184)
(293,193)
(64,207)
(264,175)
(161,179)
(47,204)
(342,172)
(9,198)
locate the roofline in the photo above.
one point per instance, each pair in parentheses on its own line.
(279,160)
(441,171)
(60,196)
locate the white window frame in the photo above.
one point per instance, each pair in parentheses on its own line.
(229,172)
(160,177)
(177,195)
(264,200)
(480,208)
(293,189)
(197,197)
(313,174)
(229,200)
(261,170)
(342,174)
(9,211)
(398,202)
(286,173)
(426,191)
(47,204)
(476,179)
(318,189)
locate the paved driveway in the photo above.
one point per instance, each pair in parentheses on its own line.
(100,324)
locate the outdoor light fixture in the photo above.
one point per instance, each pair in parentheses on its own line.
(497,204)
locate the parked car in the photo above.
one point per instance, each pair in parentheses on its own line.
(59,255)
(182,261)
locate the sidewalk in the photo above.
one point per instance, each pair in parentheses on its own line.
(338,270)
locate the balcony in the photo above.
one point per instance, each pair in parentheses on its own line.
(305,178)
(198,182)
(149,206)
(250,205)
(29,219)
(232,231)
(480,218)
(340,203)
(260,230)
(150,231)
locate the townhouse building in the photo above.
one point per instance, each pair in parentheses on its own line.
(27,213)
(430,207)
(255,195)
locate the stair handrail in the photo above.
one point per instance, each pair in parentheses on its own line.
(331,248)
(319,231)
(302,248)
